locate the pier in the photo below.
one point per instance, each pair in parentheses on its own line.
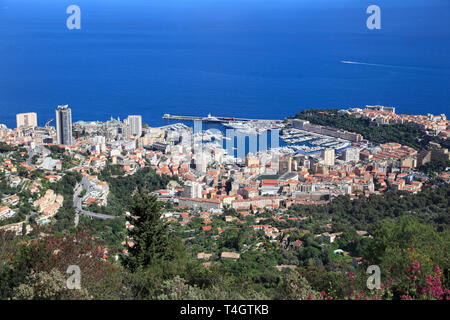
(210,118)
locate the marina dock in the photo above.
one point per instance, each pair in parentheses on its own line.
(210,118)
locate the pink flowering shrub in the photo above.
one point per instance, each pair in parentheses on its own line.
(415,285)
(413,277)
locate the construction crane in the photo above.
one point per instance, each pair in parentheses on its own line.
(48,122)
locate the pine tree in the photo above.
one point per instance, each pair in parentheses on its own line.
(149,234)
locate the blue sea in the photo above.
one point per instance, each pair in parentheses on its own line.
(245,58)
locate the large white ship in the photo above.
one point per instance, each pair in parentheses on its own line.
(210,118)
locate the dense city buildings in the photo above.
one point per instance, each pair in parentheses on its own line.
(316,164)
(205,191)
(433,124)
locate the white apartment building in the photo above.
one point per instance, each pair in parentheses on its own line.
(26,120)
(134,125)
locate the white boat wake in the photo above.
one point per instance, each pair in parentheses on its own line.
(422,68)
(371,64)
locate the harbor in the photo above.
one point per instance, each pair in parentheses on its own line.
(291,140)
(307,142)
(211,118)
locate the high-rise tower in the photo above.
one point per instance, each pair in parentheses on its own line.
(64,125)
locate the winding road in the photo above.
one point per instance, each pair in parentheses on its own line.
(77,202)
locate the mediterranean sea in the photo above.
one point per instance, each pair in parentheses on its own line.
(242,58)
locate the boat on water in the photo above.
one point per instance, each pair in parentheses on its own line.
(320,141)
(210,118)
(236,125)
(303,139)
(307,149)
(330,144)
(342,145)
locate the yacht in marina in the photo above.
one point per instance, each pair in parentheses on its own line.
(342,145)
(236,125)
(210,118)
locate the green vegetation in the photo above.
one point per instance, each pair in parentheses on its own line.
(123,188)
(430,206)
(407,231)
(60,154)
(66,214)
(393,241)
(56,149)
(5,188)
(37,269)
(20,155)
(160,266)
(405,134)
(268,176)
(4,148)
(23,208)
(150,236)
(435,166)
(112,170)
(110,232)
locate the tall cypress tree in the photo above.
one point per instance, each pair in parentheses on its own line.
(149,234)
